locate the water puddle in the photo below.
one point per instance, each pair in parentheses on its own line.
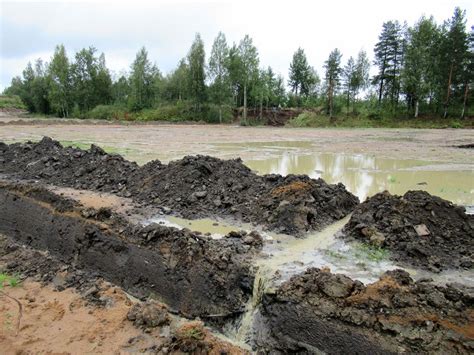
(365,175)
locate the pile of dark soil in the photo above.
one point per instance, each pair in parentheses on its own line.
(418,228)
(48,161)
(320,311)
(195,186)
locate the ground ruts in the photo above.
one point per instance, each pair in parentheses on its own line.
(320,311)
(195,186)
(194,274)
(418,228)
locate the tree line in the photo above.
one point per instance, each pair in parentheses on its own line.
(425,68)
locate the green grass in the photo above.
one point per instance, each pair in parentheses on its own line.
(11,102)
(108,149)
(75,144)
(311,119)
(370,252)
(8,280)
(334,254)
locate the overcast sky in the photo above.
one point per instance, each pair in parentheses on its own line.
(167,28)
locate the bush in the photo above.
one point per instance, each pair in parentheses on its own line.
(106,112)
(185,111)
(310,119)
(11,102)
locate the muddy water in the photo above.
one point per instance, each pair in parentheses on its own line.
(366,175)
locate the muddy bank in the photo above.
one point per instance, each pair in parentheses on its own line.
(194,187)
(418,228)
(320,311)
(192,273)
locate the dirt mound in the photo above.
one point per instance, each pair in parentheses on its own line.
(418,228)
(320,311)
(195,186)
(66,166)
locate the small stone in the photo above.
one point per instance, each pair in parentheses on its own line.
(200,194)
(422,230)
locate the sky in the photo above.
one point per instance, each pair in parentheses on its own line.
(31,29)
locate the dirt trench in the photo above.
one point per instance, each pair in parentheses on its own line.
(193,274)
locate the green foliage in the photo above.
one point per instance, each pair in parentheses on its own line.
(196,73)
(91,81)
(8,280)
(144,78)
(60,92)
(106,112)
(425,70)
(11,102)
(333,72)
(302,77)
(370,252)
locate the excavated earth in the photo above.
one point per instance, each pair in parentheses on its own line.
(320,311)
(199,186)
(195,275)
(51,231)
(419,229)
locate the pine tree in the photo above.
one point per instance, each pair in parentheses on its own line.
(333,72)
(389,58)
(196,72)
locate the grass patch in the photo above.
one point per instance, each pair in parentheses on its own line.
(75,144)
(334,254)
(8,280)
(371,252)
(13,102)
(315,120)
(108,149)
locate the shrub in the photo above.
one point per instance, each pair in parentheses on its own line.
(11,102)
(106,112)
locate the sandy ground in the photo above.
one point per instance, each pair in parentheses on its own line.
(62,322)
(146,142)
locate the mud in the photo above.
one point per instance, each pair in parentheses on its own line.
(192,273)
(194,187)
(417,228)
(66,309)
(318,311)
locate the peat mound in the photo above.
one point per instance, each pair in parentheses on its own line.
(418,228)
(195,186)
(320,311)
